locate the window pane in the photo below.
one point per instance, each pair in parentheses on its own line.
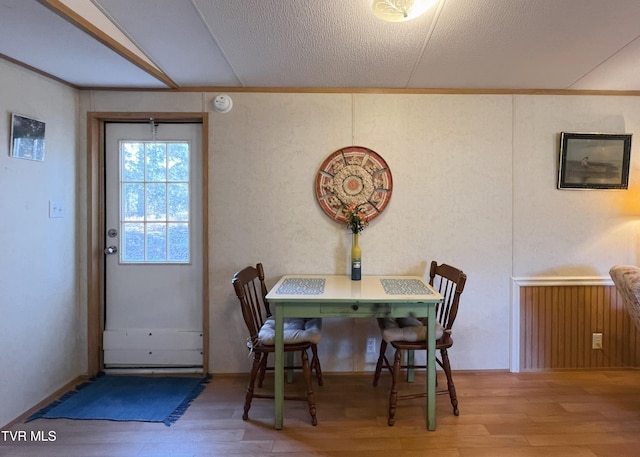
(178,202)
(156,202)
(178,242)
(156,240)
(132,242)
(132,202)
(178,162)
(156,162)
(132,161)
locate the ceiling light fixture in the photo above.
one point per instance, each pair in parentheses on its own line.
(400,10)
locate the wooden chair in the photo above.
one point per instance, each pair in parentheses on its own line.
(409,334)
(310,328)
(250,289)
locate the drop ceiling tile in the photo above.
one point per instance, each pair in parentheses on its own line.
(34,35)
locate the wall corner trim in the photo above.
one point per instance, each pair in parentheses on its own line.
(562,281)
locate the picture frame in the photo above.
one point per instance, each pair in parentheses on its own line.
(594,160)
(27,137)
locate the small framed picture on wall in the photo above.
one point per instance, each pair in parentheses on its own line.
(27,137)
(594,160)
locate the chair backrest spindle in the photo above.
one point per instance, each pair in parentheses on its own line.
(250,289)
(449,282)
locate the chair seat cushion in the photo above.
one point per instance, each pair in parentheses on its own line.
(296,330)
(406,329)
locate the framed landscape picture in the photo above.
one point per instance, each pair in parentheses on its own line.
(594,160)
(27,137)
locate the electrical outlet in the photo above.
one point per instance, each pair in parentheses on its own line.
(371,346)
(596,341)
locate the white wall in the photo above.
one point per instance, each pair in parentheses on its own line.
(571,232)
(451,162)
(474,186)
(41,325)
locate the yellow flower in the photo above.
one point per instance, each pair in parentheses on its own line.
(356,218)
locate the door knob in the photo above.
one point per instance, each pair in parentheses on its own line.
(111,250)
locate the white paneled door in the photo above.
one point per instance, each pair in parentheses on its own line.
(153,246)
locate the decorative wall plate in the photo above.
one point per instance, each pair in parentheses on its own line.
(353,175)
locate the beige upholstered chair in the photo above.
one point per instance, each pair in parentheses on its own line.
(409,334)
(627,281)
(299,335)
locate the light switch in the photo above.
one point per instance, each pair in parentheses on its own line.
(56,208)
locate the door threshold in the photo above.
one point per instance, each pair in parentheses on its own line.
(154,370)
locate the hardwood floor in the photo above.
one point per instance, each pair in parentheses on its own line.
(560,414)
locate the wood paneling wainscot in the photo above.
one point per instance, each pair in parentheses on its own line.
(557,323)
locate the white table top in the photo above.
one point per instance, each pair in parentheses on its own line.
(340,288)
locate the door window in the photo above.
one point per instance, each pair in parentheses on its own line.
(154,202)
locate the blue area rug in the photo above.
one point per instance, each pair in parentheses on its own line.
(126,398)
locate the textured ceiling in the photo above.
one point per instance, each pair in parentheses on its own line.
(457,44)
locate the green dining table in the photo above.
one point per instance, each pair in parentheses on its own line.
(310,296)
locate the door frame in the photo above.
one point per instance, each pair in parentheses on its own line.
(95,219)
